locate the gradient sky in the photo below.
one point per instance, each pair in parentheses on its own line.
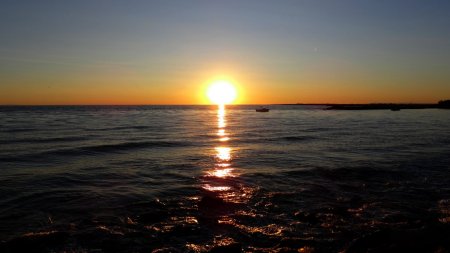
(166,52)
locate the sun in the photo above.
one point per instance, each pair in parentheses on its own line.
(221,92)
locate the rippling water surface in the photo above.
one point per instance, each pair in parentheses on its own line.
(202,178)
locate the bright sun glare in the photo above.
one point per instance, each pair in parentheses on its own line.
(221,92)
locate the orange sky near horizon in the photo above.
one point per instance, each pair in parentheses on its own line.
(137,91)
(251,94)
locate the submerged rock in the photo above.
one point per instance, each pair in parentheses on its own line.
(152,216)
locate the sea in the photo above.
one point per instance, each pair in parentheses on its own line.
(223,179)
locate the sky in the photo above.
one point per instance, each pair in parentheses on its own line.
(167,52)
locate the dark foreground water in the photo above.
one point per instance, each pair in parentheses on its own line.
(197,179)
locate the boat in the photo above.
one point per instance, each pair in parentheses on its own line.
(262,109)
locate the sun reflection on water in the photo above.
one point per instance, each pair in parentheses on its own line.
(221,118)
(221,183)
(222,173)
(223,155)
(224,139)
(216,188)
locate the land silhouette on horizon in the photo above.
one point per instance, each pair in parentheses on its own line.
(443,104)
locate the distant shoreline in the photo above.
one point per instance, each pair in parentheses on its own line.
(380,106)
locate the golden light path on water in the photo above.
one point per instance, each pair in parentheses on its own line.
(226,195)
(225,192)
(222,166)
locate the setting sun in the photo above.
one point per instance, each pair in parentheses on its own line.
(221,92)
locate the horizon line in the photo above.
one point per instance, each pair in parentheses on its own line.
(397,103)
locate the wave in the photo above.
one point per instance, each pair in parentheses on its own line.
(297,138)
(18,130)
(95,149)
(45,140)
(121,128)
(133,145)
(275,139)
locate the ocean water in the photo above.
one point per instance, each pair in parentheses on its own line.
(209,179)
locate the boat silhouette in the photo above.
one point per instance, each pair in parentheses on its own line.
(262,109)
